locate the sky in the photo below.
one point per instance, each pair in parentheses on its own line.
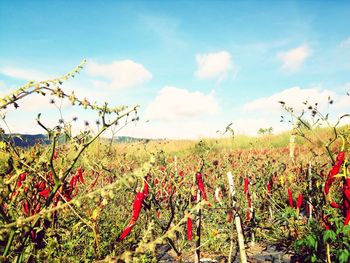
(192,66)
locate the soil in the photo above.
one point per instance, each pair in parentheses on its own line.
(255,254)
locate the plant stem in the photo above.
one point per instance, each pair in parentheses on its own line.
(9,242)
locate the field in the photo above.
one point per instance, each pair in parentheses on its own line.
(82,198)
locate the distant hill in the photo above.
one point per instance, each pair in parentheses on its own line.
(128,139)
(27,140)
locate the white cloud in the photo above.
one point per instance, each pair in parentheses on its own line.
(175,103)
(214,65)
(345,43)
(119,74)
(34,103)
(251,126)
(24,74)
(343,103)
(294,58)
(293,97)
(265,112)
(181,129)
(166,29)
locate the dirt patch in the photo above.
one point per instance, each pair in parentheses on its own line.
(255,254)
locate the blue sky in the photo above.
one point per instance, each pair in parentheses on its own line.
(192,66)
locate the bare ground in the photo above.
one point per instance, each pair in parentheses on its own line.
(255,254)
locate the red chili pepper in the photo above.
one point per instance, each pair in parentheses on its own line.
(201,185)
(326,223)
(334,171)
(40,185)
(95,181)
(73,182)
(137,205)
(307,209)
(68,197)
(37,209)
(300,201)
(346,200)
(33,234)
(145,188)
(334,205)
(182,175)
(26,208)
(346,187)
(189,228)
(21,178)
(230,215)
(51,177)
(290,195)
(347,219)
(45,193)
(246,184)
(269,186)
(79,175)
(249,200)
(14,194)
(55,155)
(247,216)
(127,230)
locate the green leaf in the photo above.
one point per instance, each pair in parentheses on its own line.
(329,235)
(312,241)
(346,230)
(344,256)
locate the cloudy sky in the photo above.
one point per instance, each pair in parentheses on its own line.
(192,66)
